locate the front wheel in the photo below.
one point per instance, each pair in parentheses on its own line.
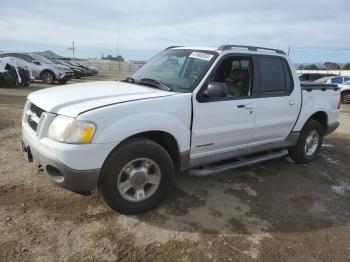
(309,143)
(48,77)
(136,176)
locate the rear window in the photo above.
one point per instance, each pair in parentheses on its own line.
(274,76)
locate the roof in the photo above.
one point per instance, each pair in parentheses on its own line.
(236,48)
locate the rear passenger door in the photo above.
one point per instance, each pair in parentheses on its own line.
(278,102)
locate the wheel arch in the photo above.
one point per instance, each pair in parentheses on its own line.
(47,70)
(163,138)
(321,117)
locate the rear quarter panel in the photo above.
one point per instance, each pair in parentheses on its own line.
(319,101)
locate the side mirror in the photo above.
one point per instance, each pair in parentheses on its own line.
(35,62)
(216,89)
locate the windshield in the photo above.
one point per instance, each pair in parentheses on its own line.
(73,63)
(62,62)
(176,68)
(42,59)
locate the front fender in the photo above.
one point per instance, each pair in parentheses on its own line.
(168,114)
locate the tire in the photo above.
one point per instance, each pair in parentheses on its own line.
(123,167)
(62,81)
(300,153)
(345,97)
(48,77)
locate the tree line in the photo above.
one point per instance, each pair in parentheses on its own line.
(119,58)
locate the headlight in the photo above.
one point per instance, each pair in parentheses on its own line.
(69,130)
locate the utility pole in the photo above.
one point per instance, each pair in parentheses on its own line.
(73,47)
(288,50)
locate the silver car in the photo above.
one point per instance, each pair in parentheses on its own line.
(44,69)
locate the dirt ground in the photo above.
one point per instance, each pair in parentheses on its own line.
(275,211)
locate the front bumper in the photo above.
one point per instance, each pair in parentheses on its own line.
(65,76)
(71,166)
(62,175)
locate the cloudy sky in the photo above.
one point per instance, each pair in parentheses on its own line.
(316,30)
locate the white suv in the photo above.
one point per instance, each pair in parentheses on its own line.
(187,109)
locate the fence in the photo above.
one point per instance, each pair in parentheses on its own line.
(334,72)
(112,66)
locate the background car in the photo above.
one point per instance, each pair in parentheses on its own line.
(345,92)
(43,68)
(332,80)
(90,70)
(78,71)
(14,72)
(311,77)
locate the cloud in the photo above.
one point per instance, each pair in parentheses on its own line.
(155,24)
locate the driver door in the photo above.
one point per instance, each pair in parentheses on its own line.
(225,124)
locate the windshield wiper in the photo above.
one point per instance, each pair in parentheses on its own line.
(127,80)
(155,83)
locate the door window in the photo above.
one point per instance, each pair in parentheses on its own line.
(275,77)
(236,73)
(27,58)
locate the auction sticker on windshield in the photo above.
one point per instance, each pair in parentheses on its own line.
(203,56)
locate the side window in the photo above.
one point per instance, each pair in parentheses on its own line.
(274,77)
(314,77)
(13,54)
(236,73)
(304,77)
(26,58)
(288,76)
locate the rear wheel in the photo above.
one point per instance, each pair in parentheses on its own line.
(309,143)
(136,176)
(345,97)
(48,77)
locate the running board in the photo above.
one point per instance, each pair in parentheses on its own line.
(237,164)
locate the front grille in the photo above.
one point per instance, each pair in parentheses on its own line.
(33,116)
(37,110)
(32,124)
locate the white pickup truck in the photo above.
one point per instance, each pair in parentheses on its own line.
(194,109)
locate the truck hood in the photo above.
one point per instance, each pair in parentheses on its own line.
(71,100)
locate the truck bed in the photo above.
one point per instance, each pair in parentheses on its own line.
(316,86)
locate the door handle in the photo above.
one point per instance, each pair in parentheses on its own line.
(248,106)
(291,102)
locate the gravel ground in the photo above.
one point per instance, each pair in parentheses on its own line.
(275,211)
